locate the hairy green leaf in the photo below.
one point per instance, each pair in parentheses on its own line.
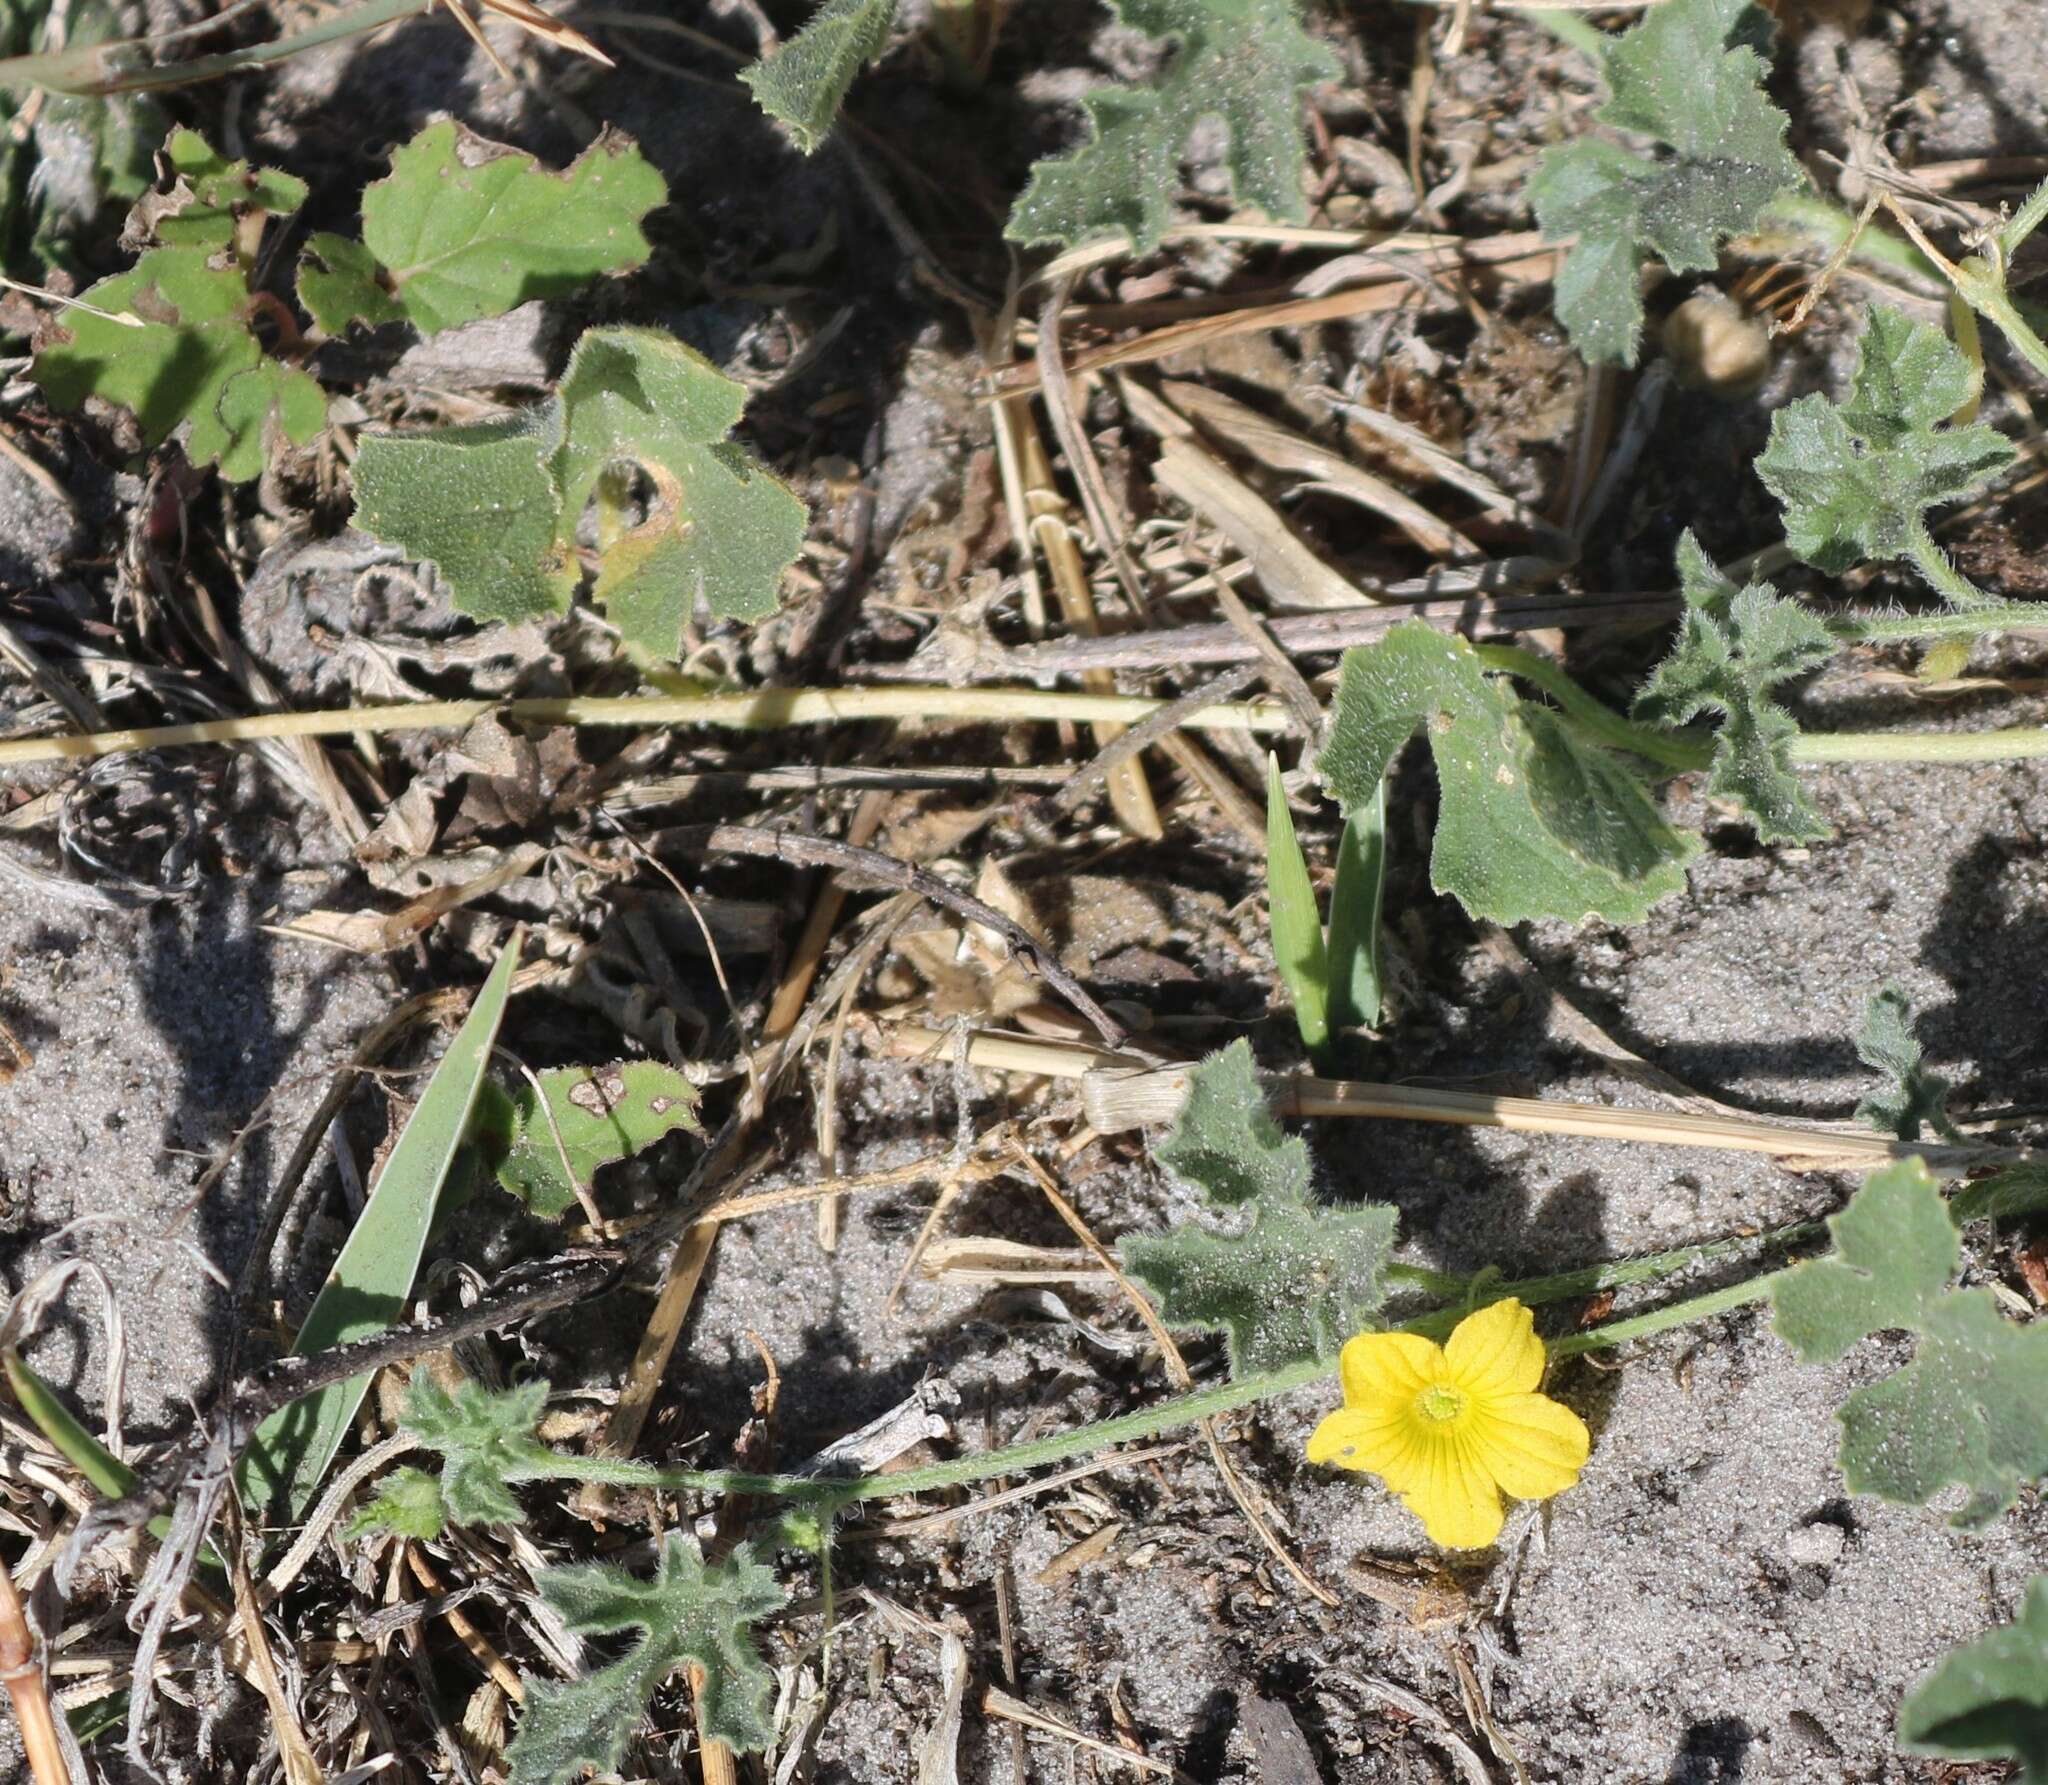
(689,1613)
(1856,479)
(1915,1099)
(486,1441)
(1225,1141)
(407,1503)
(804,83)
(193,362)
(1298,1278)
(719,526)
(478,502)
(1968,1407)
(466,228)
(2016,1193)
(1534,822)
(1244,62)
(1691,76)
(209,196)
(599,1114)
(1297,925)
(1988,1700)
(1733,648)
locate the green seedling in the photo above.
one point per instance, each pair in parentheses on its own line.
(1297,925)
(1334,984)
(1915,1099)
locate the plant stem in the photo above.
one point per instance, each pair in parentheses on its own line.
(765,709)
(1657,1320)
(2015,743)
(2026,220)
(1969,622)
(1674,749)
(1828,226)
(1949,582)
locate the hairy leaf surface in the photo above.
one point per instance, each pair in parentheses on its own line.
(804,83)
(1534,822)
(1245,62)
(1226,1142)
(1734,647)
(486,1441)
(1915,1098)
(1988,1700)
(407,1503)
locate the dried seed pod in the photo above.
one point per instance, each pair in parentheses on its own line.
(1716,345)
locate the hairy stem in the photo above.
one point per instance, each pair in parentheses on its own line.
(1949,582)
(1674,749)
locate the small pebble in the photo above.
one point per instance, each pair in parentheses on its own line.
(1816,1545)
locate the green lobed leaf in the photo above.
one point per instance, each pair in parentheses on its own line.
(340,283)
(1856,479)
(1734,646)
(690,1612)
(600,1114)
(1915,1099)
(1968,1407)
(466,228)
(194,363)
(1988,1700)
(478,502)
(1298,1278)
(1225,1141)
(486,1441)
(407,1503)
(719,526)
(1243,62)
(210,195)
(1297,925)
(804,83)
(1691,76)
(1533,821)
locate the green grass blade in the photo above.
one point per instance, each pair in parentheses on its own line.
(1355,999)
(1297,925)
(368,1287)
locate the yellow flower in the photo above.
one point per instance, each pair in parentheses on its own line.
(1450,1428)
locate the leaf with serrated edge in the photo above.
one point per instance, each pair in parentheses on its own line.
(480,504)
(1294,1285)
(210,194)
(1533,822)
(1856,479)
(339,285)
(467,228)
(1733,648)
(407,1503)
(1689,75)
(689,1613)
(1225,1141)
(1988,1700)
(1968,1407)
(1915,1098)
(486,1441)
(601,1114)
(1243,62)
(720,526)
(804,83)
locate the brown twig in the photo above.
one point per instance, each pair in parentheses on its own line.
(22,1674)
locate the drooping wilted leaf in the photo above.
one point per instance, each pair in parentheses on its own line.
(1691,76)
(1733,648)
(600,1114)
(689,1613)
(1915,1098)
(1225,1141)
(1244,62)
(1968,1407)
(1533,821)
(1856,479)
(804,83)
(1988,1700)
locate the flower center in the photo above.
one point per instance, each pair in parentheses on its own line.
(1439,1405)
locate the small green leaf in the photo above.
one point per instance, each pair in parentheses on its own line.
(339,283)
(258,408)
(601,1114)
(1968,1407)
(719,526)
(478,502)
(210,195)
(804,83)
(1355,899)
(1225,1141)
(486,1441)
(1733,648)
(1245,63)
(1988,1700)
(407,1504)
(1691,76)
(1915,1099)
(689,1613)
(1855,479)
(467,228)
(1534,822)
(2014,1194)
(1297,926)
(372,1279)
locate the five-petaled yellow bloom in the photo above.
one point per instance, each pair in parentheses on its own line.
(1450,1428)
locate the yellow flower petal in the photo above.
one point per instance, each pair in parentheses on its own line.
(1342,1440)
(1496,1351)
(1456,1500)
(1379,1368)
(1530,1444)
